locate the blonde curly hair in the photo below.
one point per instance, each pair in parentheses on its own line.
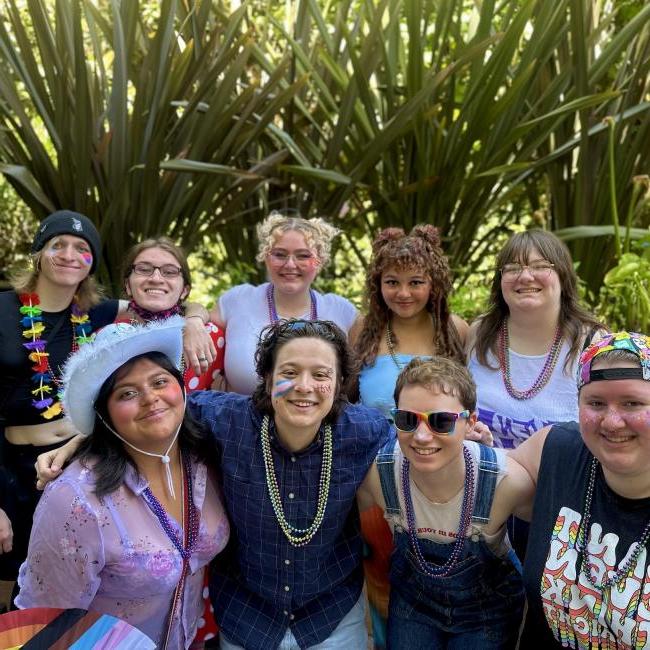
(317,232)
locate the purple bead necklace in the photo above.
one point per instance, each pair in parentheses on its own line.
(190,519)
(434,570)
(543,377)
(273,313)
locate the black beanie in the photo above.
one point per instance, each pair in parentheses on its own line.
(67,222)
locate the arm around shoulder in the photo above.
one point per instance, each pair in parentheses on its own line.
(529,453)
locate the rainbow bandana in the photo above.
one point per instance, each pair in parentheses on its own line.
(637,344)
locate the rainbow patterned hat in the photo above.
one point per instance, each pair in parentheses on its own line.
(637,344)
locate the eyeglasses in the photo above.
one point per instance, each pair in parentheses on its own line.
(439,422)
(166,270)
(511,272)
(279,258)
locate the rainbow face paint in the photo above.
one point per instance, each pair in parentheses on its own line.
(282,387)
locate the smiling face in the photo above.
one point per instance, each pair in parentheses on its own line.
(533,288)
(615,422)
(156,292)
(291,264)
(426,451)
(146,406)
(65,260)
(303,386)
(406,292)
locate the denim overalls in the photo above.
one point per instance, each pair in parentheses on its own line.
(478,605)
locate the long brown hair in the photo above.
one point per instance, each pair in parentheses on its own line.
(421,250)
(574,320)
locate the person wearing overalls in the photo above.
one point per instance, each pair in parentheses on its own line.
(455,582)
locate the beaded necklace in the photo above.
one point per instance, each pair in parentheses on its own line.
(148,316)
(391,347)
(434,570)
(190,519)
(273,313)
(544,375)
(297,536)
(44,377)
(582,539)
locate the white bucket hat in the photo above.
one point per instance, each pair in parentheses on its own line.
(114,345)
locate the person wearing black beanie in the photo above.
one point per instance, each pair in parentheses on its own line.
(53,308)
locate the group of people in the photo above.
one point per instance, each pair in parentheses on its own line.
(263,437)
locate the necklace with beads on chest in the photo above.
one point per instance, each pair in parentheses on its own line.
(273,313)
(297,536)
(545,374)
(583,563)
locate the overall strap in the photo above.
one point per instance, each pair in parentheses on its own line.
(488,472)
(386,468)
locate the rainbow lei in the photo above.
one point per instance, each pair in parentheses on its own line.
(46,400)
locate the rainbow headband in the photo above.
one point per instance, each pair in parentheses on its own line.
(637,344)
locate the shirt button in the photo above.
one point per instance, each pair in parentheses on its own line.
(293,459)
(291,617)
(291,495)
(287,561)
(286,587)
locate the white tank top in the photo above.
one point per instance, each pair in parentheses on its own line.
(511,420)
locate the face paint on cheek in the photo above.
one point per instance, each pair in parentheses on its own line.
(282,388)
(87,258)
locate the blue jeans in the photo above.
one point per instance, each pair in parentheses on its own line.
(351,633)
(478,606)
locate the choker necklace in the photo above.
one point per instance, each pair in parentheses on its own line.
(148,316)
(582,540)
(543,377)
(297,536)
(273,314)
(434,570)
(44,378)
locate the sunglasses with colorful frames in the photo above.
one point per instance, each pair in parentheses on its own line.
(439,422)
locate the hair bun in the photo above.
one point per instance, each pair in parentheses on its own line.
(429,233)
(385,236)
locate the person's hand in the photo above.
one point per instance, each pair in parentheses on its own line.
(50,464)
(481,433)
(220,384)
(198,348)
(6,533)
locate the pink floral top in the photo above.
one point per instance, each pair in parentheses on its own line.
(112,556)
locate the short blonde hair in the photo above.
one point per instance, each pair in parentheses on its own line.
(317,232)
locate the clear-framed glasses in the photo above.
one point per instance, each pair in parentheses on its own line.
(539,270)
(279,258)
(166,270)
(439,422)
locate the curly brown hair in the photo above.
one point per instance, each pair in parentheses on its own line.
(574,320)
(420,249)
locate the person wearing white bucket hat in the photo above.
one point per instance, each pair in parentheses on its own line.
(131,523)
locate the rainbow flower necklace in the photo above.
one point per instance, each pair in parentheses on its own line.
(46,391)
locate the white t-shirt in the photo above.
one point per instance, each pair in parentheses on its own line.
(245,312)
(512,420)
(439,522)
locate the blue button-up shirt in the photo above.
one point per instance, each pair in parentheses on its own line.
(264,584)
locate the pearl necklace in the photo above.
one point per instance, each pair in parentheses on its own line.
(544,375)
(297,536)
(434,570)
(582,541)
(273,313)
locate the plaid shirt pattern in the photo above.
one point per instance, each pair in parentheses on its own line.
(262,584)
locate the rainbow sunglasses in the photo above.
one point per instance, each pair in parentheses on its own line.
(440,422)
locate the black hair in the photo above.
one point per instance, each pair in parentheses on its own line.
(274,336)
(107,454)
